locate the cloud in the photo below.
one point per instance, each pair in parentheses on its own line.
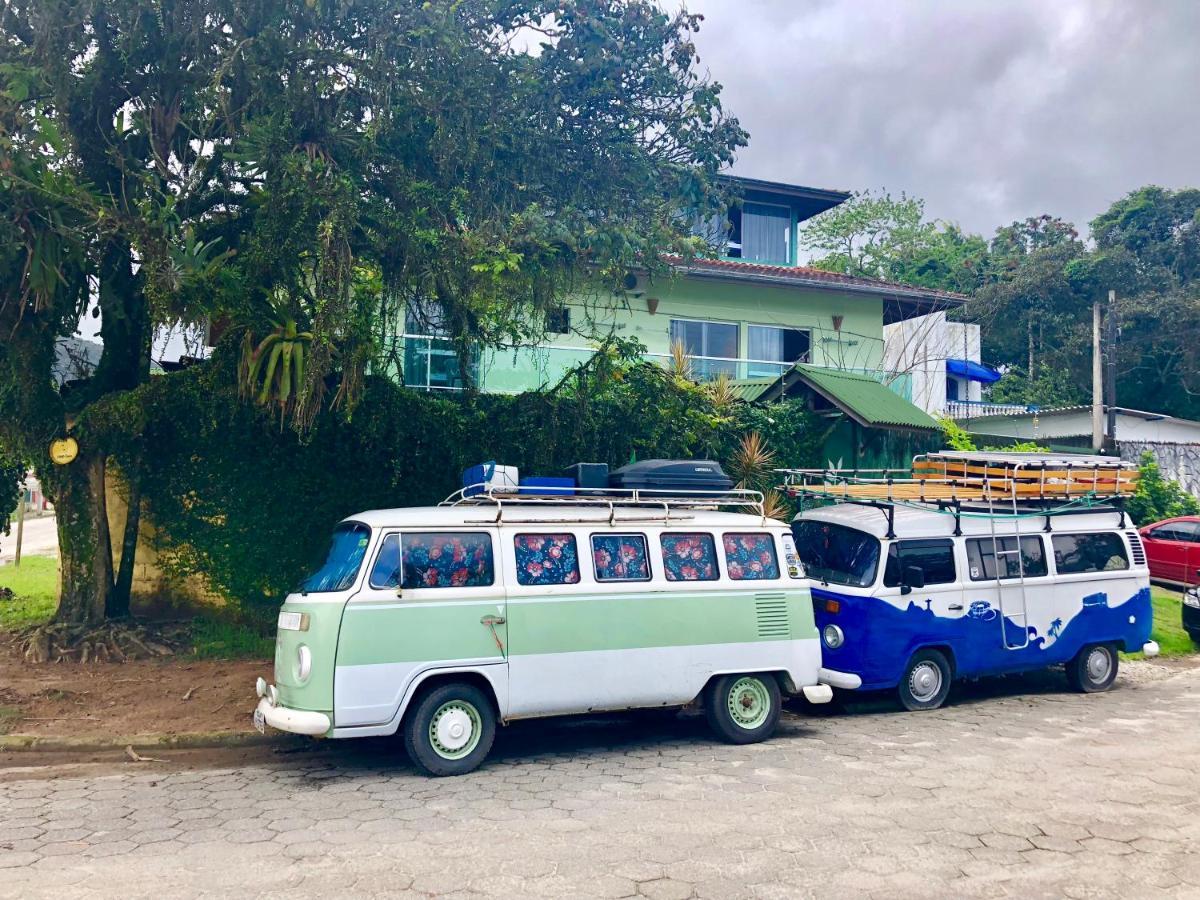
(990,111)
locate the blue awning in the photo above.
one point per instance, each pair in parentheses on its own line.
(965,368)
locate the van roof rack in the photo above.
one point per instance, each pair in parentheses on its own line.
(651,504)
(974,477)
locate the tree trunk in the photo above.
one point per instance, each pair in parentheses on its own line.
(118,603)
(85,552)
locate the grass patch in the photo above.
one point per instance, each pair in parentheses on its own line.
(34,584)
(1168,630)
(9,716)
(221,639)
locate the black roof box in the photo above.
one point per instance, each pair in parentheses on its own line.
(679,476)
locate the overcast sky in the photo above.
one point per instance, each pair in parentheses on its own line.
(991,111)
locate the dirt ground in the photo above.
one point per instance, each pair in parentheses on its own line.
(107,700)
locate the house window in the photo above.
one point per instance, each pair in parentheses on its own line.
(761,232)
(713,346)
(952,389)
(430,362)
(769,343)
(558,320)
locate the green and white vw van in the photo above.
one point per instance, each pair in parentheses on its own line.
(439,622)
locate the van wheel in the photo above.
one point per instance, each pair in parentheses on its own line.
(743,709)
(926,681)
(1093,669)
(451,729)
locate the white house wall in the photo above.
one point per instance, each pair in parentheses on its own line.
(921,346)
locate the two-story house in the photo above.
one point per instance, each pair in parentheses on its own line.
(751,312)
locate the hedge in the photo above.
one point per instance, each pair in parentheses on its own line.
(235,495)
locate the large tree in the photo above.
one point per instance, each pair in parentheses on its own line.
(307,171)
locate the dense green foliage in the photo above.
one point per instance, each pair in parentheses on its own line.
(339,164)
(251,507)
(1157,497)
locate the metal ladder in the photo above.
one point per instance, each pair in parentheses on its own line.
(1002,586)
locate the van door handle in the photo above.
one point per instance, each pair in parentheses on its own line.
(957,607)
(492,620)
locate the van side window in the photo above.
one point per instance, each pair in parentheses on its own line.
(690,557)
(621,557)
(446,559)
(750,556)
(1100,552)
(982,559)
(934,557)
(547,559)
(386,571)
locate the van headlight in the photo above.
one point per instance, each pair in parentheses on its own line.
(303,663)
(833,637)
(1192,598)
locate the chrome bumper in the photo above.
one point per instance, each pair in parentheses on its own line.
(844,680)
(297,721)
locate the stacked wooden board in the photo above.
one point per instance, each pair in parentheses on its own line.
(969,476)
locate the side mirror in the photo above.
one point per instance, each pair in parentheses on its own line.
(911,577)
(399,592)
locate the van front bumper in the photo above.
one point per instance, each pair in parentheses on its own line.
(297,721)
(847,681)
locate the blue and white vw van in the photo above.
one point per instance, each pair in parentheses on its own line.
(917,592)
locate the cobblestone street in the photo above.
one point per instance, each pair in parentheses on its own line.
(1018,788)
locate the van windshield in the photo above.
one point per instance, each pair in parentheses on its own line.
(346,552)
(835,553)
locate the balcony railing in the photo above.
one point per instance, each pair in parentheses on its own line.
(431,364)
(974,409)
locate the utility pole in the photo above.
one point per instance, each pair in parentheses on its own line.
(1097,383)
(1110,375)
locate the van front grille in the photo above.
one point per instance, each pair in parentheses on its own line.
(1135,545)
(771,611)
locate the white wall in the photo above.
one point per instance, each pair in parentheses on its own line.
(1079,422)
(921,347)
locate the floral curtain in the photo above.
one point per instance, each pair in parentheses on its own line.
(621,557)
(689,557)
(750,556)
(445,560)
(547,559)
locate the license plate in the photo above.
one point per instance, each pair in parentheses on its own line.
(260,721)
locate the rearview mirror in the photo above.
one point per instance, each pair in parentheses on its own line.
(911,577)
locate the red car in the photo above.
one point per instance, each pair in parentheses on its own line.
(1173,550)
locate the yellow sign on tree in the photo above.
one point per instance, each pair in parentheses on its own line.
(63,450)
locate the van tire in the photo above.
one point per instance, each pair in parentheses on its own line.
(1094,669)
(743,709)
(434,732)
(925,683)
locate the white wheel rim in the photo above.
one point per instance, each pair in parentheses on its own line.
(1099,664)
(925,681)
(455,729)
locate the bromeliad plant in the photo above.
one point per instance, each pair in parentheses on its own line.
(272,373)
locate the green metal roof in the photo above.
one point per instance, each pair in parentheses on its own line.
(862,398)
(750,389)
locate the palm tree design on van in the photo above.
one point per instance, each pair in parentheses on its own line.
(1055,628)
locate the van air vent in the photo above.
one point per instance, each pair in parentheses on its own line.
(771,611)
(1135,544)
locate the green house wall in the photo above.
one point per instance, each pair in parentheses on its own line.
(856,344)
